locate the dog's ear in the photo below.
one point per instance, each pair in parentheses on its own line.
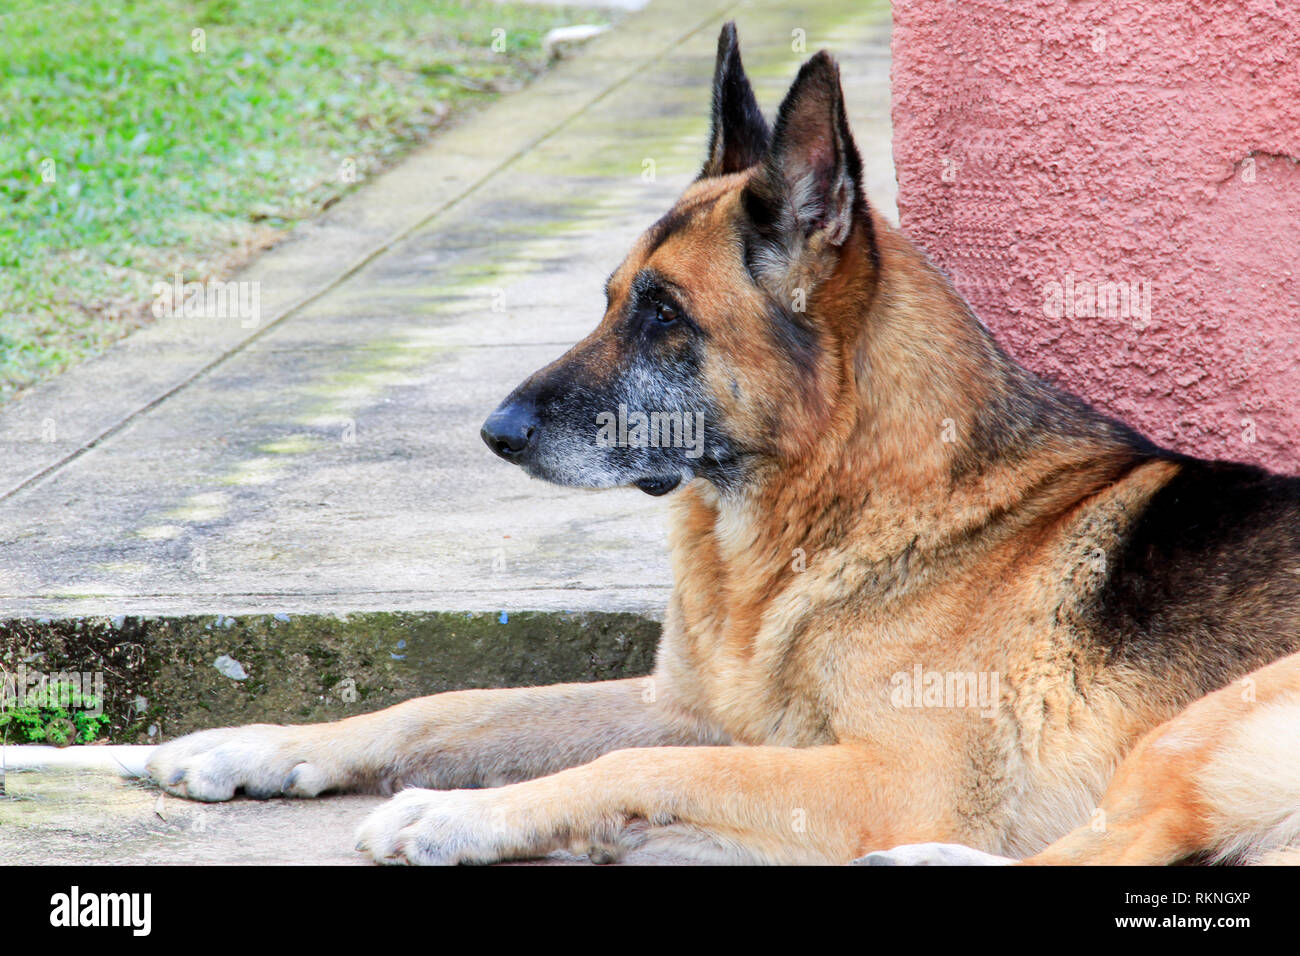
(739,135)
(808,191)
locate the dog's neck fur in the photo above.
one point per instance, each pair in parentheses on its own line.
(941,444)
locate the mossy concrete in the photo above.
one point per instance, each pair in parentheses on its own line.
(161,679)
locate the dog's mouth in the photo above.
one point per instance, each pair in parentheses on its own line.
(659,484)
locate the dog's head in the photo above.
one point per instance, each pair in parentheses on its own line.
(719,351)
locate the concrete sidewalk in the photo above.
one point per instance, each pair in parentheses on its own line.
(327,461)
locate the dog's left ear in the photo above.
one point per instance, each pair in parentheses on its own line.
(739,135)
(810,184)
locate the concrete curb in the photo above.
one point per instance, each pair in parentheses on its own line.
(124,760)
(159,678)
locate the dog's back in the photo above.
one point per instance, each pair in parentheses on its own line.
(1207,586)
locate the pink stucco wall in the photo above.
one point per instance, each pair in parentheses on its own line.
(1045,146)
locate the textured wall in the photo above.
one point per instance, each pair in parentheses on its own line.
(1044,147)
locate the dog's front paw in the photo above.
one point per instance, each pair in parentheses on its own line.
(932,854)
(262,760)
(442,828)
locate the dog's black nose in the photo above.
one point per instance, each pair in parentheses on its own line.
(510,429)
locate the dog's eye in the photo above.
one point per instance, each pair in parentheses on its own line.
(665,313)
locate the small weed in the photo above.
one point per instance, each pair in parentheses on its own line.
(67,716)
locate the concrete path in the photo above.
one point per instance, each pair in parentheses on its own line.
(327,459)
(96,818)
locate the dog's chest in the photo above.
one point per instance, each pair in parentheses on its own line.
(810,669)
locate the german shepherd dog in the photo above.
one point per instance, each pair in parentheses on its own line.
(922,597)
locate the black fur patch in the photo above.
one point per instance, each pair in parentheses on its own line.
(1208,582)
(794,337)
(739,136)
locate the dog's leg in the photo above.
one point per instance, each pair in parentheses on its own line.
(472,738)
(727,804)
(1222,779)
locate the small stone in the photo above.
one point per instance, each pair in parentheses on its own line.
(229,667)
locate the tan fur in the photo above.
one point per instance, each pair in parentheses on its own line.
(1221,779)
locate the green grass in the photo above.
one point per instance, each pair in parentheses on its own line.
(165,159)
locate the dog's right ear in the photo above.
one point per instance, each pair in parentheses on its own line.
(739,136)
